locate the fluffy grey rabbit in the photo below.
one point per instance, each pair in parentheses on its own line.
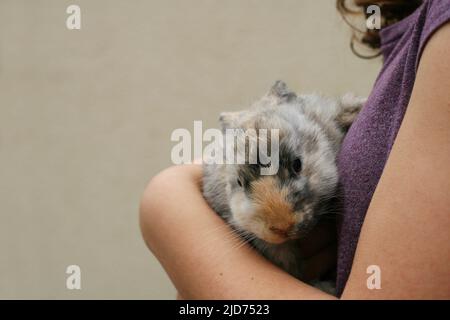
(273,212)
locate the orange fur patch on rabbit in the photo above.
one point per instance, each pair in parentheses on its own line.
(273,206)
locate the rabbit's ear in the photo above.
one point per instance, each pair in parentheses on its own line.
(350,106)
(229,120)
(281,93)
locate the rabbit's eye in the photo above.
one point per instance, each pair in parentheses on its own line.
(297,165)
(239,182)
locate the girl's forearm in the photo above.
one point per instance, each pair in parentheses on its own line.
(198,250)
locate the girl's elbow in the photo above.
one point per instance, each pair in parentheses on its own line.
(153,202)
(156,202)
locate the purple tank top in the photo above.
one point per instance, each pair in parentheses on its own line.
(367,145)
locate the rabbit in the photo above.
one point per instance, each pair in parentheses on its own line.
(274,212)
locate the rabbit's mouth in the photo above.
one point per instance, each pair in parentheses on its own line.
(299,231)
(275,236)
(274,231)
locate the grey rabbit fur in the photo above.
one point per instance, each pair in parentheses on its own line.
(274,212)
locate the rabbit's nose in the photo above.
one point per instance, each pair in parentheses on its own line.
(284,232)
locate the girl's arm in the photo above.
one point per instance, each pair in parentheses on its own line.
(198,250)
(407,228)
(405,233)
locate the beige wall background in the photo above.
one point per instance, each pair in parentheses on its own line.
(86,118)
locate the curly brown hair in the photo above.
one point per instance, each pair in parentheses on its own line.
(391,11)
